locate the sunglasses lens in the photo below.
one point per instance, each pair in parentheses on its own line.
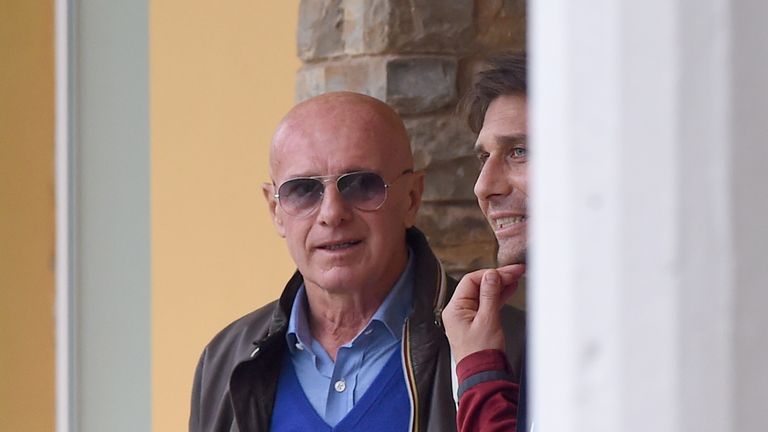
(363,190)
(299,196)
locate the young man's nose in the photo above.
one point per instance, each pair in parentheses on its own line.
(492,180)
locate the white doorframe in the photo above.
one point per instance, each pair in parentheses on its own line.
(103,363)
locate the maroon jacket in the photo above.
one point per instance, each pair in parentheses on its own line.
(488,394)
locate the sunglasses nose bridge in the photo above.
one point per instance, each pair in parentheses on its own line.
(341,193)
(324,182)
(332,206)
(330,179)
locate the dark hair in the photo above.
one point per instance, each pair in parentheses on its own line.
(505,74)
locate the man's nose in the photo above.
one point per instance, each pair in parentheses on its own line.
(492,180)
(333,209)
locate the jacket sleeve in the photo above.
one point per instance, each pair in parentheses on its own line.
(488,397)
(194,411)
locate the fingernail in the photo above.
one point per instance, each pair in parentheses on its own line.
(492,277)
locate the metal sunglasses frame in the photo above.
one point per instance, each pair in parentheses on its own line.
(335,179)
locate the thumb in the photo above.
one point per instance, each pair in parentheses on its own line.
(490,294)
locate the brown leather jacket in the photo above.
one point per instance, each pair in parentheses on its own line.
(236,377)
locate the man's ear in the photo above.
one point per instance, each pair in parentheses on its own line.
(268,189)
(414,197)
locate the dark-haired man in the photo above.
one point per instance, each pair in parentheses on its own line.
(490,398)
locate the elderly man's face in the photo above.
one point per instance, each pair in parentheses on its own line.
(502,187)
(337,246)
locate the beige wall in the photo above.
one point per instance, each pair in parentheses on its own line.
(26,216)
(221,77)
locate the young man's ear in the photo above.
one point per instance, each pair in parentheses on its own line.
(268,189)
(414,195)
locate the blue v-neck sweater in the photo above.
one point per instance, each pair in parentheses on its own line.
(385,407)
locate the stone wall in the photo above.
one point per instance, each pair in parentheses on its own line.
(419,56)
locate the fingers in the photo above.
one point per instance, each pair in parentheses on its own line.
(511,275)
(496,287)
(490,294)
(469,286)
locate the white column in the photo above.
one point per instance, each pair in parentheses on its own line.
(648,142)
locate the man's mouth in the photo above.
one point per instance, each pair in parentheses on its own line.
(506,222)
(340,245)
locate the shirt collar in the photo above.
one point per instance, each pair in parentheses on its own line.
(298,334)
(397,304)
(392,312)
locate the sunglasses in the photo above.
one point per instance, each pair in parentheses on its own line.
(363,190)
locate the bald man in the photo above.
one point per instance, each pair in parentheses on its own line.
(355,342)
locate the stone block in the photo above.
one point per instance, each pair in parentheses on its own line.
(310,81)
(328,28)
(421,84)
(451,180)
(439,138)
(435,26)
(366,26)
(410,85)
(361,75)
(500,24)
(321,29)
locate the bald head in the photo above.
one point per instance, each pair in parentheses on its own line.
(339,123)
(339,246)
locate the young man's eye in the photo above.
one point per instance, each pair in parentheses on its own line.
(482,157)
(519,152)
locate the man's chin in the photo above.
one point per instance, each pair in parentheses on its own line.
(337,279)
(505,257)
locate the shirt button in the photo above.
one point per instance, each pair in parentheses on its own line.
(340,386)
(367,332)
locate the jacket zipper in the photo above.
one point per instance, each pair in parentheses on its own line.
(410,378)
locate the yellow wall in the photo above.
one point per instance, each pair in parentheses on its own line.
(26,216)
(221,77)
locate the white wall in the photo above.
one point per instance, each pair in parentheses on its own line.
(649,135)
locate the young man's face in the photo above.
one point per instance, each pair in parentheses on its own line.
(502,187)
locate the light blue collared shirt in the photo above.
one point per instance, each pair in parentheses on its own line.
(333,389)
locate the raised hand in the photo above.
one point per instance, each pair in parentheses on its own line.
(472,318)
